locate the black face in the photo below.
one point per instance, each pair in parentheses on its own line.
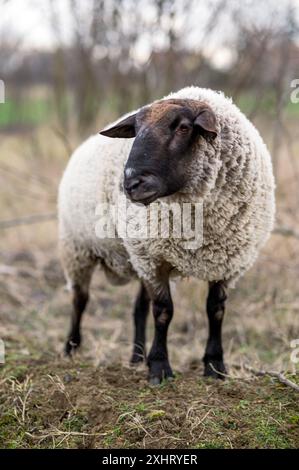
(165,134)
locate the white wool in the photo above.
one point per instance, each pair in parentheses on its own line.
(237,194)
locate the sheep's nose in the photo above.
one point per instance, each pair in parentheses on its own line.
(141,188)
(131,184)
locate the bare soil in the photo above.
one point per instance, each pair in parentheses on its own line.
(97,401)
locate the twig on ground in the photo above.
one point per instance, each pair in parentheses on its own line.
(56,380)
(271,373)
(58,433)
(27,220)
(7,270)
(286,231)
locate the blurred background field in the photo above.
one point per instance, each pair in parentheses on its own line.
(70,67)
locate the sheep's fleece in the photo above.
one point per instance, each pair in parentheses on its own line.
(232,176)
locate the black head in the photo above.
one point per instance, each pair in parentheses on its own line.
(166,133)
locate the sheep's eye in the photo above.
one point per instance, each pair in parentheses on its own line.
(183,129)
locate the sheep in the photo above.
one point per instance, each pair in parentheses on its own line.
(192,146)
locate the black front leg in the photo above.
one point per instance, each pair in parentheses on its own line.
(157,361)
(213,358)
(140,315)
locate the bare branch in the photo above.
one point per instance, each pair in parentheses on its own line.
(286,231)
(270,373)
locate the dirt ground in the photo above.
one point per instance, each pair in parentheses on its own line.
(97,400)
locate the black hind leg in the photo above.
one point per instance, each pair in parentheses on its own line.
(213,358)
(80,288)
(140,315)
(80,299)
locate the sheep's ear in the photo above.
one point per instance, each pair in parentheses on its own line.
(124,129)
(206,121)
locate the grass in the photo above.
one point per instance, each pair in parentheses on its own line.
(192,413)
(249,100)
(28,112)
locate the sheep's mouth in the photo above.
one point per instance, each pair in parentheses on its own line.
(144,198)
(142,187)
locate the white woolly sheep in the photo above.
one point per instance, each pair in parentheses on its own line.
(193,146)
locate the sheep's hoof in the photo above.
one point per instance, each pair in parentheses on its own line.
(215,369)
(71,346)
(137,357)
(159,371)
(154,381)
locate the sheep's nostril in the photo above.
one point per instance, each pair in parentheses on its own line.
(141,188)
(132,184)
